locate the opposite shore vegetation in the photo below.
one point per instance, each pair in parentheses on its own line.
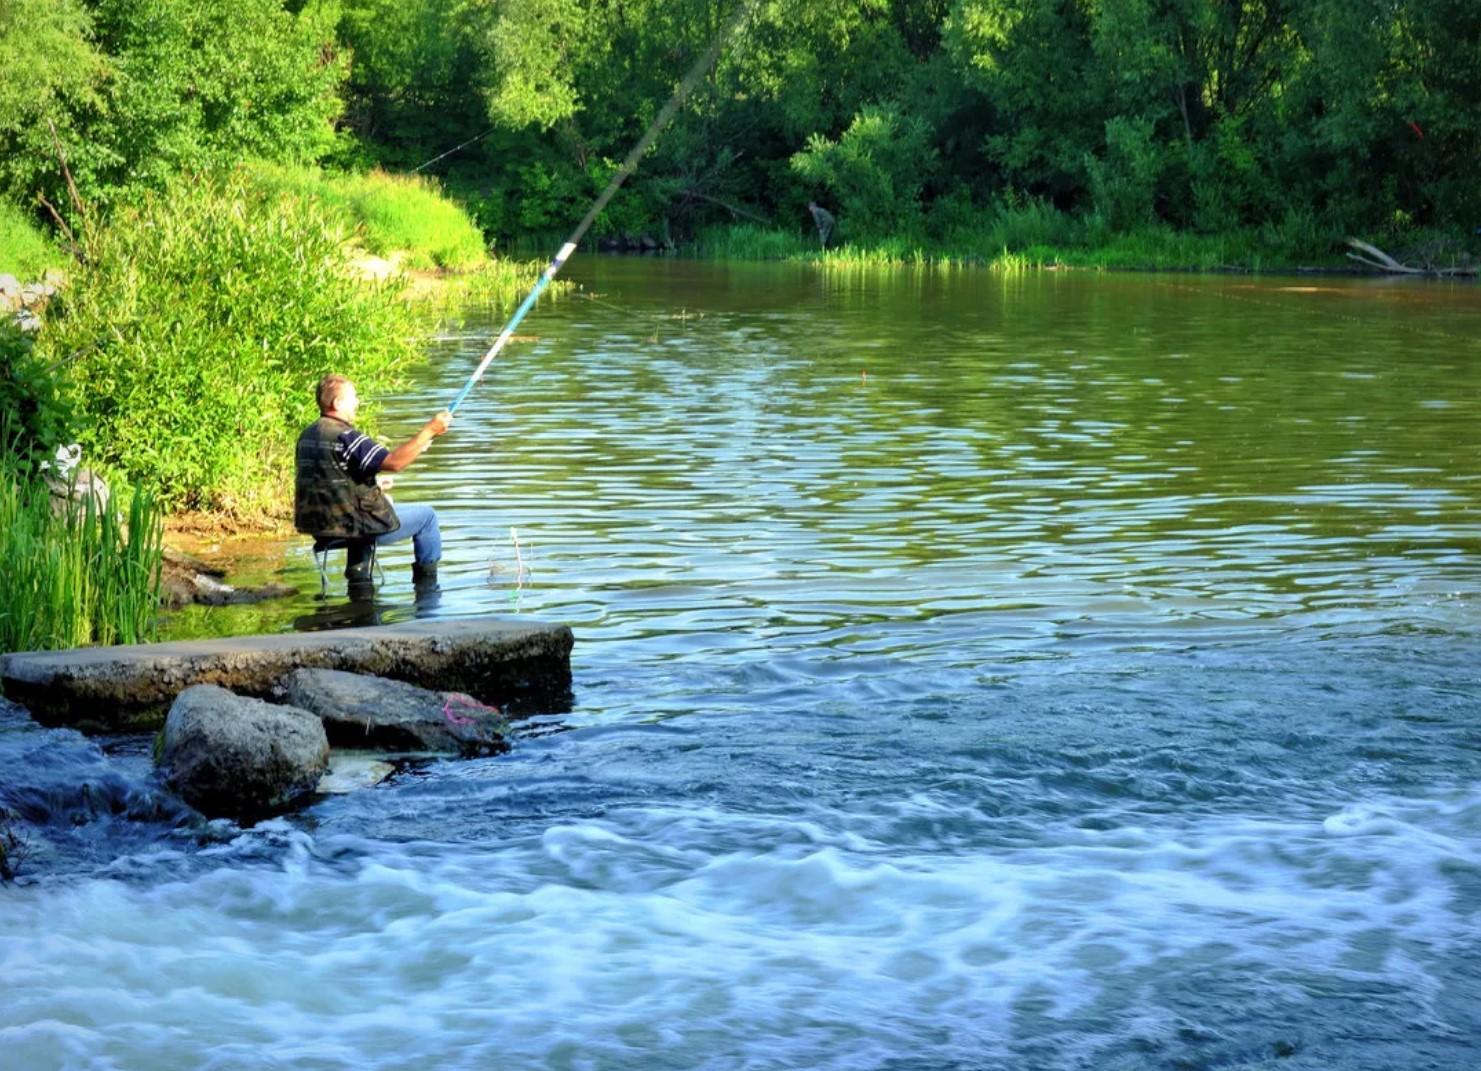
(245,193)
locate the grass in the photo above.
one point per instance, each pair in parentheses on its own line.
(747,241)
(1031,236)
(25,250)
(497,284)
(391,214)
(84,573)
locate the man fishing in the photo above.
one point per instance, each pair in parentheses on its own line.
(824,220)
(337,492)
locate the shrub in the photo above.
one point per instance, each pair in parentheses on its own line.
(33,409)
(197,326)
(1123,181)
(875,169)
(1018,224)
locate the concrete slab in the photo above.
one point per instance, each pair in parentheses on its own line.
(516,665)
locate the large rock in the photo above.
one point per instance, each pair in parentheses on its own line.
(362,711)
(233,756)
(520,665)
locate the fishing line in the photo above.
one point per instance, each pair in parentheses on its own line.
(629,165)
(657,319)
(455,148)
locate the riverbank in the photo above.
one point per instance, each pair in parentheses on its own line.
(1038,238)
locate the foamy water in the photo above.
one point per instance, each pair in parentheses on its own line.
(674,936)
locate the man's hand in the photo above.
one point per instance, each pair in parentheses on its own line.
(414,447)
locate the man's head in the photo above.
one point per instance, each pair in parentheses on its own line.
(337,397)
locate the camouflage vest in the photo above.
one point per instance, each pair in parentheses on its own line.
(326,501)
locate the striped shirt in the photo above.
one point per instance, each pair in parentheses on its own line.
(361,455)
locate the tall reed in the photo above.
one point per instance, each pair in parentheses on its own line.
(78,572)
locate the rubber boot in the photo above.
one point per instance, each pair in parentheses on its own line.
(359,568)
(424,576)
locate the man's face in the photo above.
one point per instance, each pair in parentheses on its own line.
(348,402)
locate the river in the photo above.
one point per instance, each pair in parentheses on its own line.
(972,672)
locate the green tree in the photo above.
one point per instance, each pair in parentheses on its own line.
(1036,66)
(199,83)
(49,70)
(1393,116)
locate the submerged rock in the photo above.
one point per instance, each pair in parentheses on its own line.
(352,770)
(235,757)
(187,579)
(363,711)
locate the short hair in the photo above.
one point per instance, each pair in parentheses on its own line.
(329,390)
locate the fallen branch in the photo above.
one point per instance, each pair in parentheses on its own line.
(734,210)
(1373,257)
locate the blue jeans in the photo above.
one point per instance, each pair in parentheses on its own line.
(419,524)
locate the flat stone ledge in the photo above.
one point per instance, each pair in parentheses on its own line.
(516,665)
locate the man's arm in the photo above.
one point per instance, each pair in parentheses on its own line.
(414,447)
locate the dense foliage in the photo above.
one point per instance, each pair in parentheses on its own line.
(129,93)
(1313,115)
(197,325)
(906,117)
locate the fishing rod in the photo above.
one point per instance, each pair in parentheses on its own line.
(629,165)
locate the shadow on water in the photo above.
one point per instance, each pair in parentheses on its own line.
(364,608)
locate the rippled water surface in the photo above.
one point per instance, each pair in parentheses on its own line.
(972,672)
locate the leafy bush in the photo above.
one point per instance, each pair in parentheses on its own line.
(197,326)
(550,197)
(25,251)
(390,213)
(33,409)
(1018,224)
(1231,185)
(875,169)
